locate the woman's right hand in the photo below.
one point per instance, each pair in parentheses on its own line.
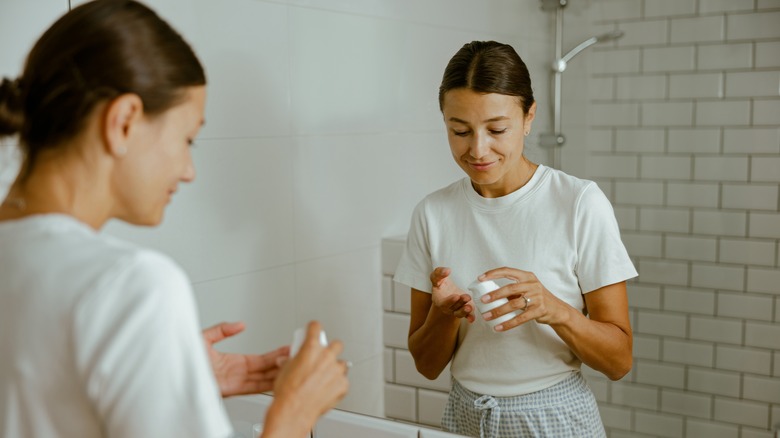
(309,385)
(448,298)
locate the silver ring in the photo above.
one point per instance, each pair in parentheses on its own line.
(527,302)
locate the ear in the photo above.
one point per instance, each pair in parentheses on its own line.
(531,114)
(529,118)
(122,116)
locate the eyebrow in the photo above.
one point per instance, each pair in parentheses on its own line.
(492,119)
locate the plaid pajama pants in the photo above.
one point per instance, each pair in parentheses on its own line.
(565,410)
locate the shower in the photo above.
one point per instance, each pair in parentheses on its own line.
(555,139)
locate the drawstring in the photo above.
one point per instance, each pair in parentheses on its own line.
(491,416)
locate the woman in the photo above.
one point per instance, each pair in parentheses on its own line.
(99,337)
(550,237)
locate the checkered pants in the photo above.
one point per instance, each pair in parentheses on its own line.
(565,410)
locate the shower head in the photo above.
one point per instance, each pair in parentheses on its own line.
(560,64)
(609,36)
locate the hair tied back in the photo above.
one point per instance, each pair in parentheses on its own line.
(11,106)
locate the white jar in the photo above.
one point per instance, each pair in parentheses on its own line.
(478,289)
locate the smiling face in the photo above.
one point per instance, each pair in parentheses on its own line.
(158,159)
(486,132)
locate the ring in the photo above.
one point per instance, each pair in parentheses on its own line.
(527,302)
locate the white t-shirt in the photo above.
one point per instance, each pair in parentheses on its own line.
(559,227)
(98,338)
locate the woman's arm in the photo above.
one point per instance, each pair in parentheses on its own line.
(433,327)
(602,341)
(308,386)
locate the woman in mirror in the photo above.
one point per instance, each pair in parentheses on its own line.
(100,338)
(549,239)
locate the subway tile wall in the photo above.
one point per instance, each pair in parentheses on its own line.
(690,158)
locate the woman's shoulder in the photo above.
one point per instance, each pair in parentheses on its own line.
(564,181)
(445,194)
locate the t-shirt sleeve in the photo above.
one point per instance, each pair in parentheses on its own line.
(415,266)
(142,357)
(602,257)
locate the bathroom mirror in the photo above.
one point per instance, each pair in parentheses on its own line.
(323,132)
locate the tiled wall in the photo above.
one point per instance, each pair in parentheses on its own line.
(408,395)
(679,122)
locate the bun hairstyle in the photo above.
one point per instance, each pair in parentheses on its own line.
(94,53)
(11,110)
(488,67)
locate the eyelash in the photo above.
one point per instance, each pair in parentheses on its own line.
(465,133)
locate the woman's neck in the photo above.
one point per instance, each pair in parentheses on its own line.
(65,185)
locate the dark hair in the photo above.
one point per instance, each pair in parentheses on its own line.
(96,52)
(488,67)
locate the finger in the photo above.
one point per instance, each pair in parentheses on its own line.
(336,347)
(460,302)
(511,306)
(222,330)
(504,272)
(510,291)
(438,275)
(270,360)
(451,300)
(516,321)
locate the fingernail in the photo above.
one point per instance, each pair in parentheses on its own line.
(499,328)
(485,298)
(488,316)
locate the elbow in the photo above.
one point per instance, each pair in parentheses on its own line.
(429,373)
(620,369)
(424,365)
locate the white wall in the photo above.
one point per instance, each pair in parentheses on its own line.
(322,133)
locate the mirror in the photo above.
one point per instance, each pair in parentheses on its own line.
(323,132)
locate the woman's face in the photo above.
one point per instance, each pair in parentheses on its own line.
(486,133)
(158,159)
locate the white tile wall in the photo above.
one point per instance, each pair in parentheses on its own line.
(713,382)
(699,29)
(669,7)
(768,54)
(696,85)
(687,352)
(711,6)
(725,56)
(692,194)
(721,168)
(639,140)
(658,424)
(766,112)
(765,225)
(668,59)
(690,405)
(700,140)
(728,113)
(751,140)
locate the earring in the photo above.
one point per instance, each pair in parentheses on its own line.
(121,151)
(527,132)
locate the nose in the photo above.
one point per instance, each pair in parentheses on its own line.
(480,146)
(189,170)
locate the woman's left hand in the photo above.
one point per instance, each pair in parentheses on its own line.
(239,374)
(526,294)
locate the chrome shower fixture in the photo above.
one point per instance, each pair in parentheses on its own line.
(560,64)
(555,139)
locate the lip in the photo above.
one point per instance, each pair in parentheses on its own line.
(481,167)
